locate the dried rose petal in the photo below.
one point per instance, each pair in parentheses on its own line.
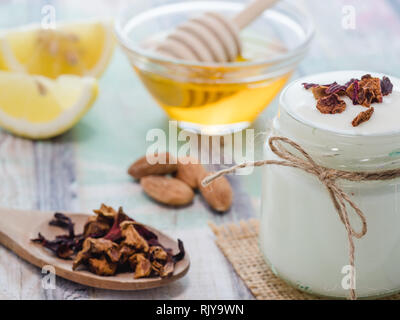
(335,88)
(319,92)
(363,117)
(331,104)
(348,83)
(355,92)
(103,256)
(309,85)
(372,90)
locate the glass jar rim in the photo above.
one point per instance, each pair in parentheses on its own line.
(124,40)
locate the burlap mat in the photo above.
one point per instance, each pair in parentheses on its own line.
(239,244)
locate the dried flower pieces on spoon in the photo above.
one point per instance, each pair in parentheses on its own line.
(363,92)
(112,242)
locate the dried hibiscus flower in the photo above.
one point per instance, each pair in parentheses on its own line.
(372,90)
(179,256)
(386,86)
(336,88)
(106,212)
(363,92)
(99,225)
(140,264)
(353,92)
(63,246)
(102,267)
(96,228)
(112,242)
(132,238)
(331,104)
(320,91)
(102,249)
(312,85)
(363,117)
(64,222)
(114,233)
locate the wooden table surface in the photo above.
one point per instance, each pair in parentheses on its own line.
(87,166)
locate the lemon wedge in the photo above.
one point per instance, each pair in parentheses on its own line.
(80,48)
(37,107)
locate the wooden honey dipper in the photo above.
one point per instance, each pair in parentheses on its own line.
(210,38)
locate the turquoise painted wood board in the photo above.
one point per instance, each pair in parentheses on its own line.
(87,165)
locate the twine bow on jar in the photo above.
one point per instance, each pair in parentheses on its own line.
(328,178)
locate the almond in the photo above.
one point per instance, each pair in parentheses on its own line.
(189,171)
(218,193)
(167,190)
(141,167)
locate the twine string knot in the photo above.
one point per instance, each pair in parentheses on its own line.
(328,178)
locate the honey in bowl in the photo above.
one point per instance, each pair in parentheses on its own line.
(212,96)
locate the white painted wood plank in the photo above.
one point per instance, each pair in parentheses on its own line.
(49,175)
(18,280)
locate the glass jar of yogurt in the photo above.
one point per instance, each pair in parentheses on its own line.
(301,234)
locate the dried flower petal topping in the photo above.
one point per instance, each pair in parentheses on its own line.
(348,83)
(363,92)
(331,104)
(363,117)
(386,86)
(353,92)
(336,88)
(312,85)
(319,92)
(325,89)
(372,90)
(309,85)
(366,91)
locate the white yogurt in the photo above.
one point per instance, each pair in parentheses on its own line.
(301,234)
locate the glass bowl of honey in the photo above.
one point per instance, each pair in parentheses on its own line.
(207,97)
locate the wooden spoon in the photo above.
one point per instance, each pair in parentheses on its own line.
(18,227)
